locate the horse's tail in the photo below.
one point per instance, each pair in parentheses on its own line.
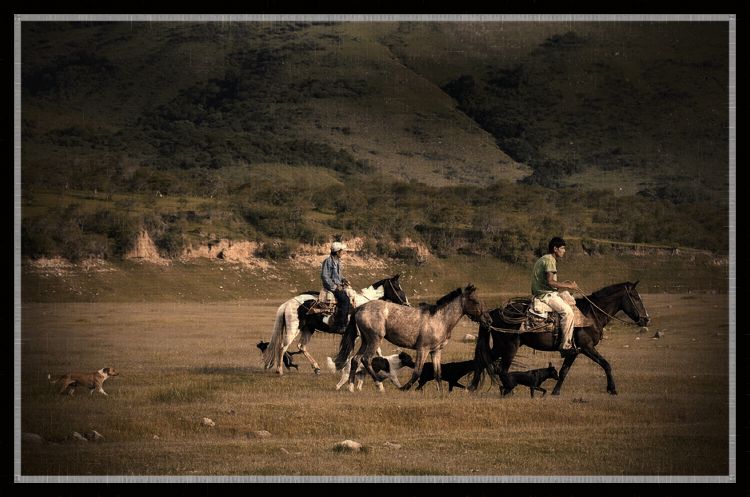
(483,355)
(277,337)
(346,346)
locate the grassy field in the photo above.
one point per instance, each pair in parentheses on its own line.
(183,361)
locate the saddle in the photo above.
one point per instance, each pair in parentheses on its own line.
(534,316)
(326,304)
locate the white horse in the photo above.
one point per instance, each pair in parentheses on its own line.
(287,324)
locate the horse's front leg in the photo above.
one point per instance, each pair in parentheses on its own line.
(418,365)
(302,346)
(592,354)
(567,363)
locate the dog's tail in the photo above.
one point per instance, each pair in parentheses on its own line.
(331,365)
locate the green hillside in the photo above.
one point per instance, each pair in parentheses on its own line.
(474,139)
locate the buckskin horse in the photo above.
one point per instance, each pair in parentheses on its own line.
(292,318)
(600,307)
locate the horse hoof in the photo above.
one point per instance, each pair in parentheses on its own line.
(317,370)
(555,393)
(612,392)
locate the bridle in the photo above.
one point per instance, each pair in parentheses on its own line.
(478,318)
(395,292)
(632,302)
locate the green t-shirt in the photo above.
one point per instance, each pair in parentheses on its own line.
(545,264)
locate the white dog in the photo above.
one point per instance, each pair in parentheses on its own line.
(386,368)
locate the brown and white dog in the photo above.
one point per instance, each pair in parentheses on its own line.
(93,381)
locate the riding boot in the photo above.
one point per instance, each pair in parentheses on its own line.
(338,322)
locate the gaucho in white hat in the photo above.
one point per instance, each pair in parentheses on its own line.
(334,282)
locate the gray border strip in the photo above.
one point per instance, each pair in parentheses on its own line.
(731,19)
(379,17)
(17,247)
(732,291)
(376,479)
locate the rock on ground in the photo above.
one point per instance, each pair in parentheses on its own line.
(348,445)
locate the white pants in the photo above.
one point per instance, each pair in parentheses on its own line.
(559,304)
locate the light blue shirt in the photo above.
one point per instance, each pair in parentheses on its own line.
(330,273)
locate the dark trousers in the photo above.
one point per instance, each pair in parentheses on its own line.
(343,305)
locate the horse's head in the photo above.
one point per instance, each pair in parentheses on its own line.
(633,306)
(472,305)
(394,292)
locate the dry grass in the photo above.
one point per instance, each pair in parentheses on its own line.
(181,362)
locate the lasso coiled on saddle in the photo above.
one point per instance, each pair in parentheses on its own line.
(514,311)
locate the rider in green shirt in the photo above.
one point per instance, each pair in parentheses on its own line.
(544,286)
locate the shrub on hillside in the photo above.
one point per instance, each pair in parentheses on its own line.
(513,246)
(276,249)
(37,239)
(170,242)
(119,227)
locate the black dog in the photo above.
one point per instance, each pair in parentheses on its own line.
(532,379)
(287,355)
(450,372)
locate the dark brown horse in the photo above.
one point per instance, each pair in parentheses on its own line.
(600,307)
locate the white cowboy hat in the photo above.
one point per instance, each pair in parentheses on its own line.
(337,246)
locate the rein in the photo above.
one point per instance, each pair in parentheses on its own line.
(614,317)
(515,330)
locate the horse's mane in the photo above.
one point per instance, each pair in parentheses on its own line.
(442,301)
(601,295)
(610,290)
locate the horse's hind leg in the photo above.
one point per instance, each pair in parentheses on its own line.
(354,364)
(344,377)
(369,353)
(302,346)
(435,355)
(286,328)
